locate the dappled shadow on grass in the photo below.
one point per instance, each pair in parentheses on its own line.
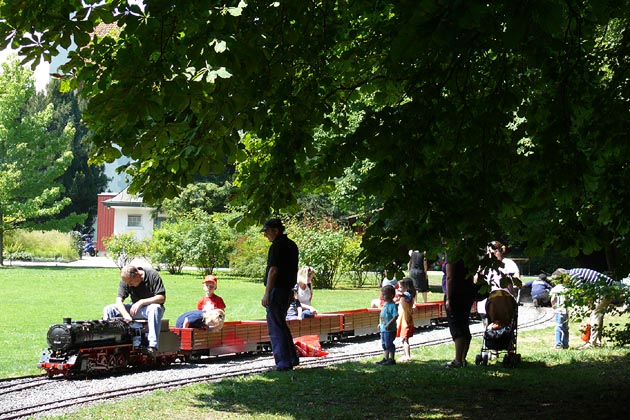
(577,389)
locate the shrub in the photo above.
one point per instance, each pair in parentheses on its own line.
(39,245)
(352,264)
(77,242)
(322,246)
(249,254)
(209,241)
(167,246)
(124,248)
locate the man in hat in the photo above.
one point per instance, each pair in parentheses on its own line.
(280,277)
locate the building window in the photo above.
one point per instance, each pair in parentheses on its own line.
(134,220)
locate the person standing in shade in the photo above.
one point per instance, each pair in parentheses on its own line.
(561,312)
(580,277)
(418,269)
(460,295)
(280,277)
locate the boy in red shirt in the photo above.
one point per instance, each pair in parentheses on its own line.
(208,303)
(210,299)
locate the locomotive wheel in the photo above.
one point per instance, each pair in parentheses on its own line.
(102,360)
(121,360)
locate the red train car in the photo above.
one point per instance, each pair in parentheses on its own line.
(252,336)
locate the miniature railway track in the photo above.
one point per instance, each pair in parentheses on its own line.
(17,386)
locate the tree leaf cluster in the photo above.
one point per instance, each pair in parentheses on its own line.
(32,158)
(479,120)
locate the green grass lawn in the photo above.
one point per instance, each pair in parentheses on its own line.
(548,384)
(36,297)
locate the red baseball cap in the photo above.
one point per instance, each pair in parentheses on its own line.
(210,279)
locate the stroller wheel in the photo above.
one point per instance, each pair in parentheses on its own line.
(485,359)
(510,360)
(478,360)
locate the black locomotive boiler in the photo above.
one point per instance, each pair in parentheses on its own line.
(94,346)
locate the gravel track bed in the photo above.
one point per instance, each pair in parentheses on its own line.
(19,393)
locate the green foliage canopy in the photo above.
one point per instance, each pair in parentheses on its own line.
(31,157)
(480,120)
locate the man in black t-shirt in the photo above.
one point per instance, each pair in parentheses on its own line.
(147,301)
(280,277)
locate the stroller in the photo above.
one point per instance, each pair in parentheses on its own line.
(501,330)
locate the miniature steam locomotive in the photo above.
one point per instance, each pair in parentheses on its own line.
(92,347)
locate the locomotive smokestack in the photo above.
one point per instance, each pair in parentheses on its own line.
(67,320)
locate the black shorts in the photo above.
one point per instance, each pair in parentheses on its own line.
(459,317)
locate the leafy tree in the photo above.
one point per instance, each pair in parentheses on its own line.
(206,196)
(322,246)
(82,182)
(480,120)
(208,241)
(31,158)
(168,245)
(124,248)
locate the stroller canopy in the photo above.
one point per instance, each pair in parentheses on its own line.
(501,307)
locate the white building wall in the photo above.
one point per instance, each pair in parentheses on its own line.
(121,219)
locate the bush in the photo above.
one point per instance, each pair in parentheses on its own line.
(124,248)
(249,255)
(549,262)
(168,245)
(352,264)
(77,242)
(39,245)
(208,241)
(322,246)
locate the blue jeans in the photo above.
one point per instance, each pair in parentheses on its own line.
(562,330)
(152,313)
(387,341)
(281,339)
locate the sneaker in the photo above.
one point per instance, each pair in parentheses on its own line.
(151,352)
(382,362)
(453,364)
(535,301)
(588,346)
(279,369)
(558,347)
(388,362)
